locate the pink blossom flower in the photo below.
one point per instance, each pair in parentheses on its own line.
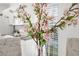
(46,36)
(36,26)
(44,25)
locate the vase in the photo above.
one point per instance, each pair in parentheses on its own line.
(40,50)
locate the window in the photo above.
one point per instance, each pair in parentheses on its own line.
(52,46)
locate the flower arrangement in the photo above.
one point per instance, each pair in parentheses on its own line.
(40,32)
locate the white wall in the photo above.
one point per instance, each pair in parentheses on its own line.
(68,32)
(4,22)
(4,26)
(62,34)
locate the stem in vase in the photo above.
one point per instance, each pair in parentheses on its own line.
(40,51)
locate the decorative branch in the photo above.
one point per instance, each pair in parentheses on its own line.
(73,4)
(39,32)
(68,17)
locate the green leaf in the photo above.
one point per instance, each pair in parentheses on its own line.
(42,42)
(37,10)
(30,23)
(69,18)
(61,25)
(40,34)
(30,33)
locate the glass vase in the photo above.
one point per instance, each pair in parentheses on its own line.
(40,50)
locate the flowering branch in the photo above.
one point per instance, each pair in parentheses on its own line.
(40,31)
(68,17)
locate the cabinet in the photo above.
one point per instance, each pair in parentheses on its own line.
(10,47)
